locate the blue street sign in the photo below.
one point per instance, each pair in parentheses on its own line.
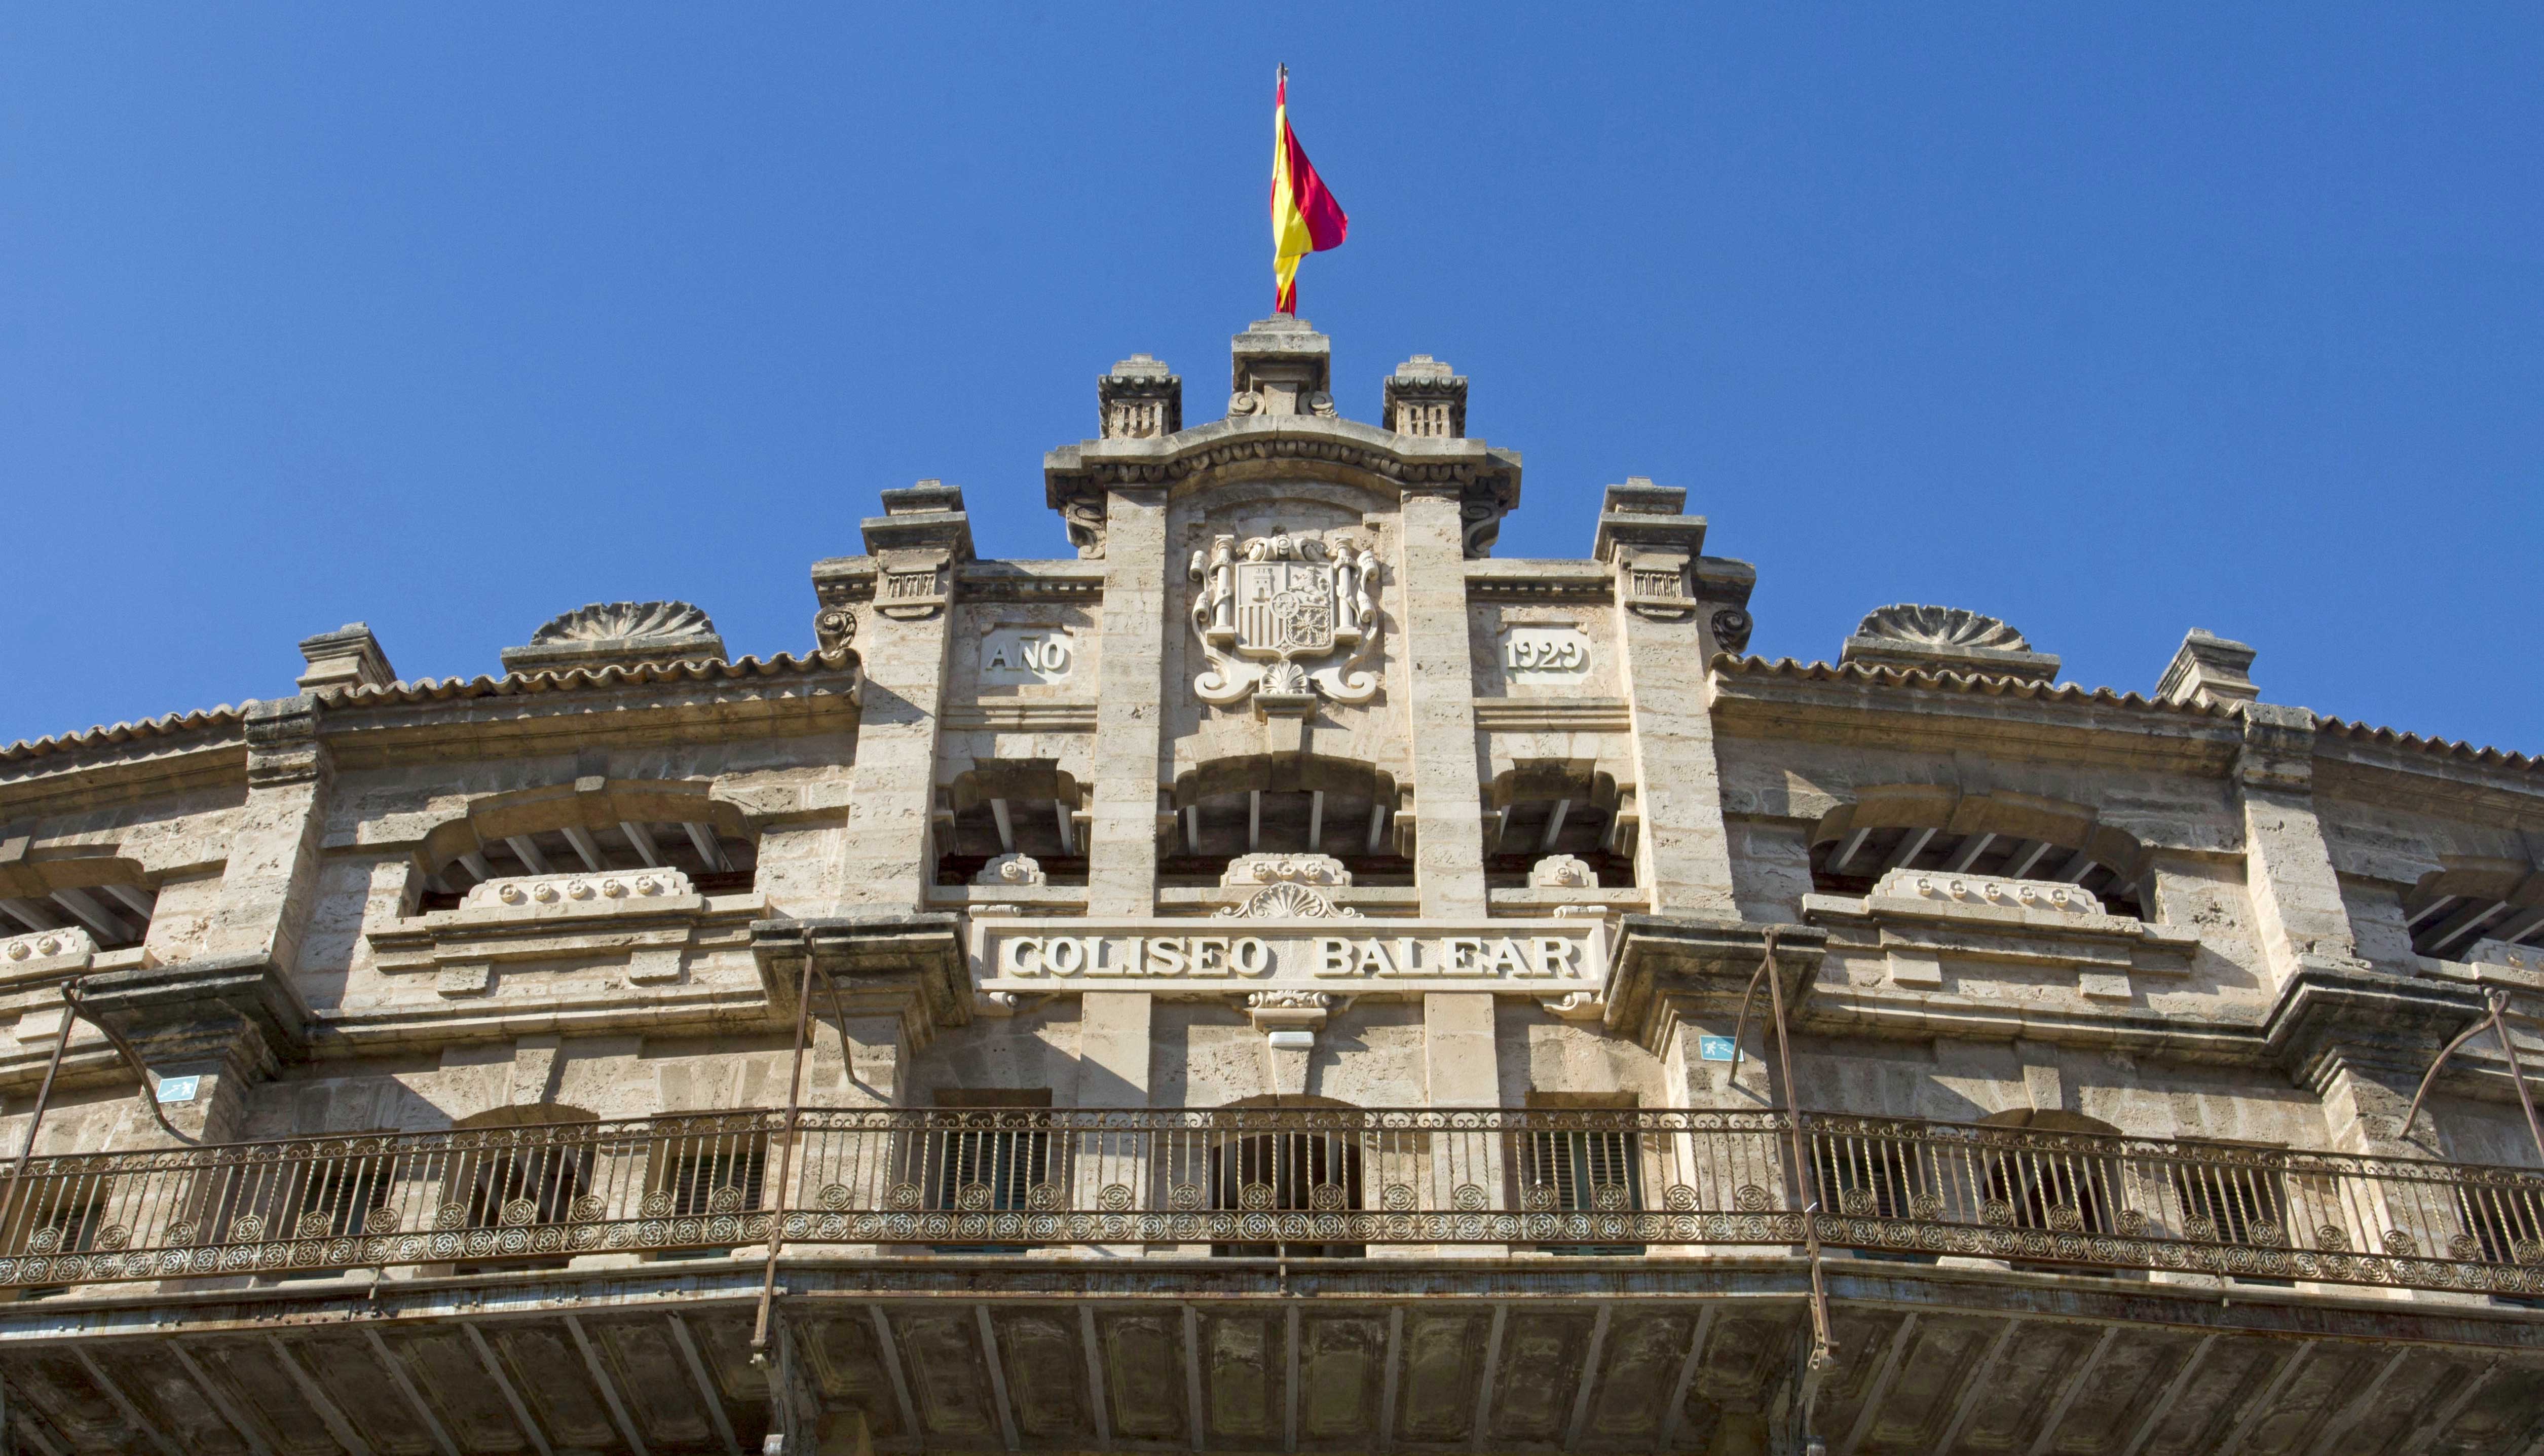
(1713,1048)
(178,1088)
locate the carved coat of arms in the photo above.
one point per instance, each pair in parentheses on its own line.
(1270,607)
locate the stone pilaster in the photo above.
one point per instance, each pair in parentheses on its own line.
(2297,908)
(907,587)
(1448,789)
(1665,639)
(1121,847)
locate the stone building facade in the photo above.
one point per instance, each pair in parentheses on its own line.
(1282,977)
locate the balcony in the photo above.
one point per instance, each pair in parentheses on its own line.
(1273,1183)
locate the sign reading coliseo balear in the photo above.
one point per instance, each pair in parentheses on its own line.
(1232,956)
(1267,608)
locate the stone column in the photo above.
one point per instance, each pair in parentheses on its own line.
(1122,840)
(907,578)
(1683,855)
(1448,790)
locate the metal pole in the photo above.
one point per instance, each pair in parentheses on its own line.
(36,1122)
(1804,1178)
(2516,1071)
(1823,1345)
(786,1166)
(132,1058)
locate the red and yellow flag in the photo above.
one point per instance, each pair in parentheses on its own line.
(1305,218)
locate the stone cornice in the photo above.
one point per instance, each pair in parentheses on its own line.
(1375,457)
(1941,712)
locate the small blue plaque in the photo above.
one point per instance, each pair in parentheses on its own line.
(1713,1048)
(178,1088)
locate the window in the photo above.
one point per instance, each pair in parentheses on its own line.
(1286,1172)
(990,1157)
(1581,1170)
(1871,1176)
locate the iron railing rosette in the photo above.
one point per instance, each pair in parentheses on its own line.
(1259,1180)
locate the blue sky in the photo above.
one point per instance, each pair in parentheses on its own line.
(2109,321)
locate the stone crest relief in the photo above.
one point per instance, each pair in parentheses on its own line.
(1270,608)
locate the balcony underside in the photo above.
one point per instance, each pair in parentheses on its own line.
(1420,1354)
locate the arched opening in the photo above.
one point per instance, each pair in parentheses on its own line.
(1555,806)
(93,890)
(2452,910)
(1296,804)
(1927,828)
(1276,1169)
(622,826)
(1010,807)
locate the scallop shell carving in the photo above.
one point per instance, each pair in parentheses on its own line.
(1940,626)
(604,622)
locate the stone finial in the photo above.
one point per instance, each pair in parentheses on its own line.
(1426,399)
(1644,532)
(618,634)
(348,657)
(2208,670)
(1280,365)
(1284,870)
(1139,400)
(922,535)
(1950,639)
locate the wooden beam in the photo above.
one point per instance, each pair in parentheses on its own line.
(2172,1390)
(1845,850)
(91,914)
(134,899)
(1976,1385)
(130,1413)
(1068,827)
(1686,1377)
(1290,1382)
(1192,1377)
(474,861)
(586,848)
(1377,826)
(1096,1402)
(2075,1387)
(890,1349)
(503,1387)
(2260,1405)
(248,1430)
(528,851)
(1315,821)
(1553,826)
(1253,820)
(702,838)
(998,1375)
(1589,1378)
(1879,1390)
(398,1377)
(1484,1384)
(2039,851)
(641,840)
(1971,849)
(32,915)
(1905,852)
(1387,1387)
(2437,1424)
(337,1425)
(608,1387)
(1006,826)
(2345,1422)
(707,1391)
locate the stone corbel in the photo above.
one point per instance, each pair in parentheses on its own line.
(1670,969)
(1653,583)
(1289,1021)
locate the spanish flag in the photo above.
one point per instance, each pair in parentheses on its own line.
(1305,218)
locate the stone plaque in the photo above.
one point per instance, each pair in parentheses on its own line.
(1232,956)
(1016,655)
(1546,654)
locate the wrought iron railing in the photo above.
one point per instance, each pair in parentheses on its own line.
(1243,1182)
